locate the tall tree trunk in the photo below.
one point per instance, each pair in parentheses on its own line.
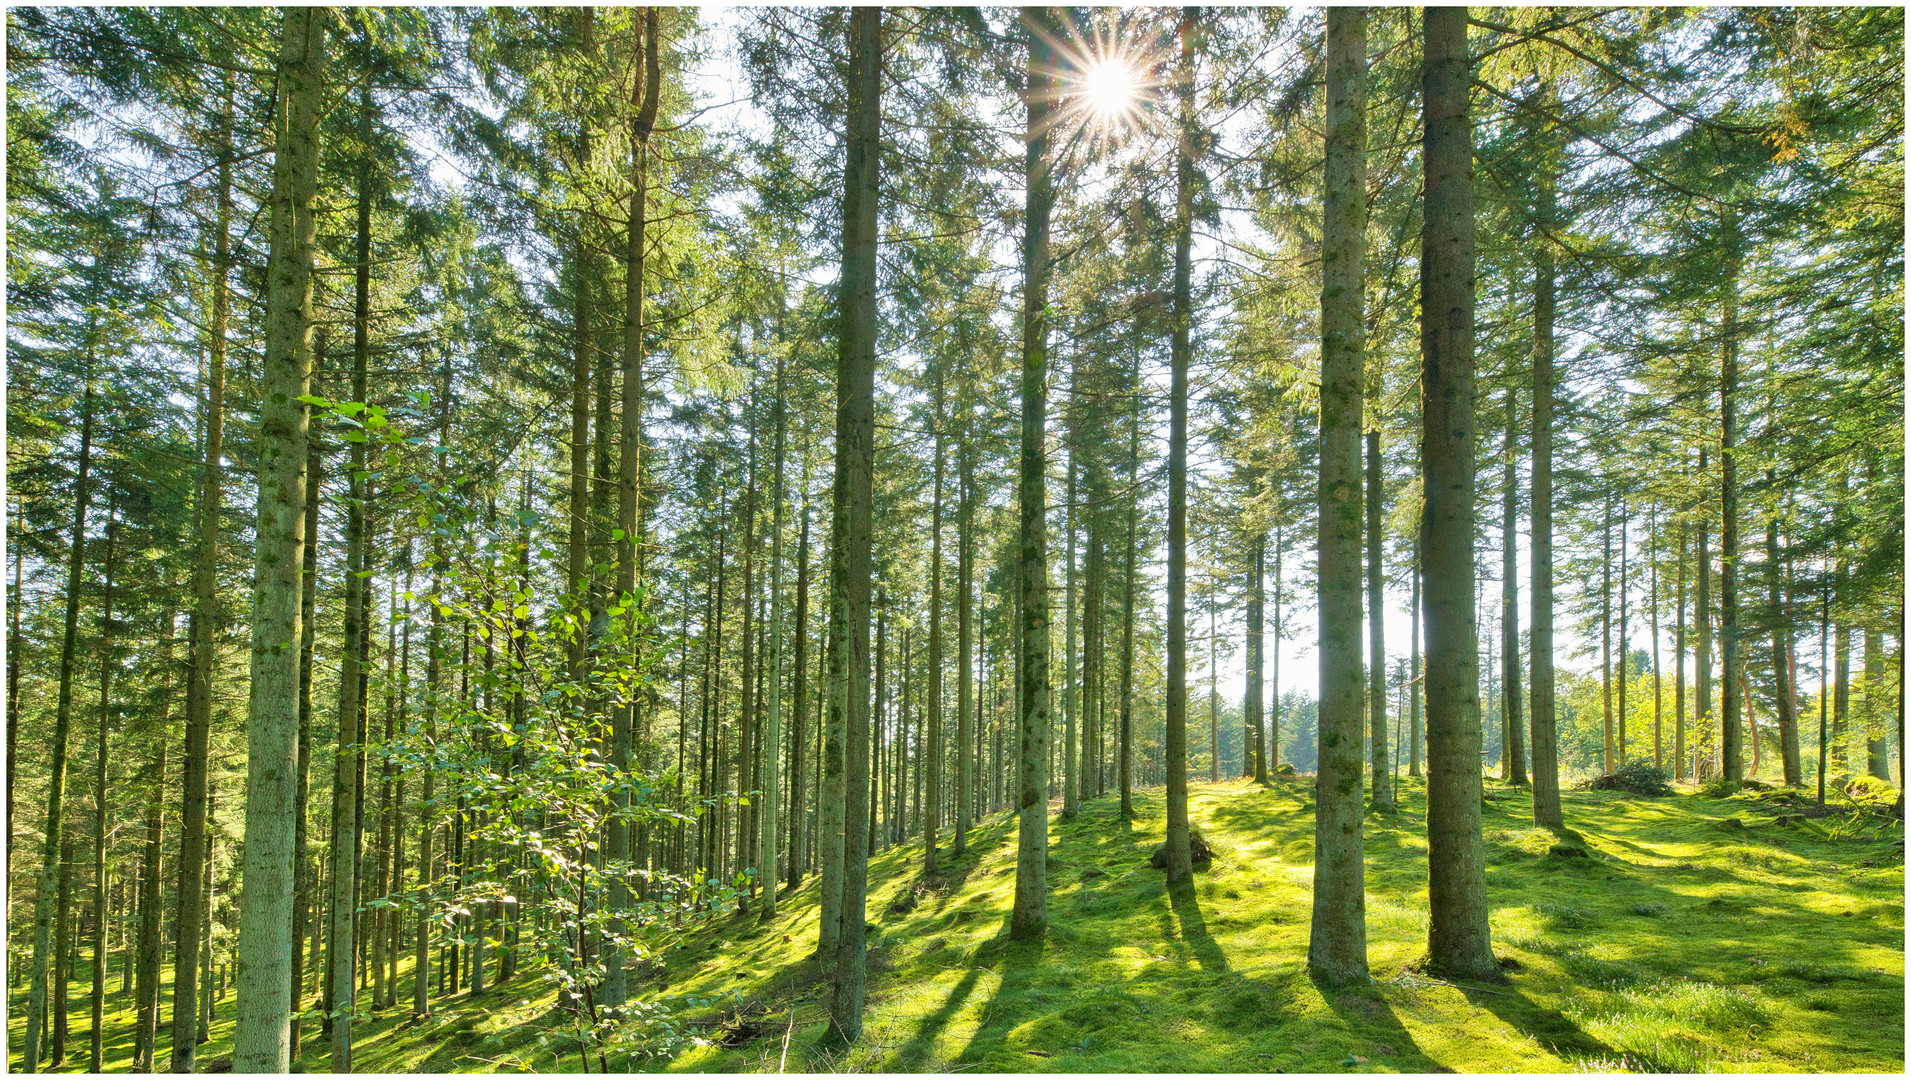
(1376,633)
(1254,762)
(97,1044)
(1781,657)
(1175,745)
(1274,684)
(966,726)
(52,870)
(799,693)
(1513,748)
(63,949)
(624,717)
(850,539)
(1125,753)
(1337,943)
(1658,679)
(1457,937)
(308,627)
(1028,918)
(1702,615)
(1877,752)
(348,752)
(1605,630)
(1070,687)
(261,1040)
(1625,623)
(151,915)
(1730,736)
(1413,673)
(1545,744)
(1678,664)
(932,819)
(204,622)
(577,565)
(772,736)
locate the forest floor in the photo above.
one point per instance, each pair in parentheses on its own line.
(1696,934)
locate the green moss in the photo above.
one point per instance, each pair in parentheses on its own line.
(1673,945)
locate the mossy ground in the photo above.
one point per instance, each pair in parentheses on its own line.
(1677,944)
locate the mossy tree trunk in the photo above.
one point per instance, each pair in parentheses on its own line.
(261,1040)
(850,547)
(1458,942)
(1337,942)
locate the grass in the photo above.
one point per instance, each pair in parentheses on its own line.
(1676,944)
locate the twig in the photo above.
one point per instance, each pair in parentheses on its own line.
(786,1040)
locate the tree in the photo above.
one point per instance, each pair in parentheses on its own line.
(261,1041)
(1029,916)
(1457,935)
(850,530)
(1337,943)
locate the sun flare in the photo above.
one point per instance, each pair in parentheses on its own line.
(1110,87)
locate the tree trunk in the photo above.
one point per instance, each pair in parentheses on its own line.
(1877,752)
(1376,634)
(799,694)
(1175,745)
(96,1046)
(1254,759)
(1678,665)
(1070,654)
(1730,737)
(1029,916)
(772,735)
(1545,742)
(1458,943)
(850,540)
(1124,763)
(1702,564)
(151,915)
(261,1038)
(52,870)
(1337,944)
(308,627)
(1781,658)
(966,727)
(348,751)
(1513,748)
(933,817)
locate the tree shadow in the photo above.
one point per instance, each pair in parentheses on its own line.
(913,1055)
(1018,961)
(1552,1028)
(1368,1015)
(1193,929)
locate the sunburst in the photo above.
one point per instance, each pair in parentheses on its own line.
(1108,75)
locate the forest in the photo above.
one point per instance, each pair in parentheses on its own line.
(912,539)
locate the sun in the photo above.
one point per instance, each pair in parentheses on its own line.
(1110,87)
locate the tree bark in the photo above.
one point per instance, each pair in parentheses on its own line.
(97,1043)
(1337,944)
(850,547)
(1545,743)
(1513,748)
(52,871)
(1730,736)
(1175,745)
(933,817)
(1376,632)
(1458,941)
(261,1040)
(1028,918)
(1781,658)
(966,727)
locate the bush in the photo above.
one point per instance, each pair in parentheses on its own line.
(1638,776)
